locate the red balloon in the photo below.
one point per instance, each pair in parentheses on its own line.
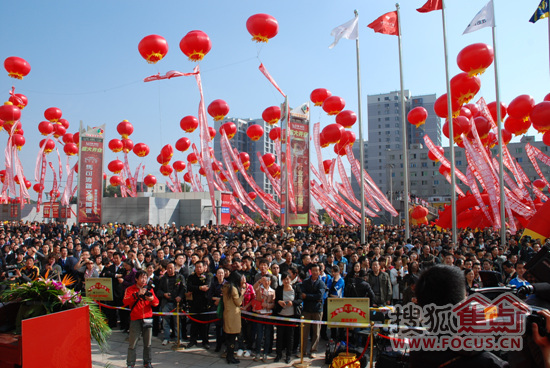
(64,122)
(141,149)
(517,126)
(68,138)
(38,187)
(125,129)
(17,67)
(275,134)
(28,184)
(115,166)
(215,166)
(19,100)
(202,172)
(319,95)
(539,183)
(252,195)
(440,106)
(244,157)
(333,105)
(326,166)
(262,27)
(179,166)
(464,87)
(229,128)
(332,133)
(255,132)
(492,106)
(45,128)
(53,114)
(2,176)
(540,116)
(464,111)
(187,177)
(473,109)
(9,112)
(76,138)
(340,149)
(58,130)
(189,123)
(269,159)
(346,118)
(167,151)
(475,58)
(222,177)
(115,181)
(521,106)
(211,133)
(150,181)
(432,157)
(483,126)
(506,137)
(166,170)
(246,165)
(18,141)
(115,145)
(546,138)
(195,45)
(444,170)
(163,160)
(419,212)
(348,138)
(49,145)
(192,158)
(127,145)
(547,97)
(70,149)
(417,116)
(183,144)
(218,109)
(272,115)
(274,170)
(153,48)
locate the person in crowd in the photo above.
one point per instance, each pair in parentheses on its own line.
(397,273)
(140,300)
(263,306)
(233,293)
(198,284)
(313,290)
(380,284)
(288,304)
(470,283)
(116,272)
(214,295)
(520,271)
(171,292)
(246,337)
(327,279)
(28,273)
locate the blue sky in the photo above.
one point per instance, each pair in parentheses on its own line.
(85,61)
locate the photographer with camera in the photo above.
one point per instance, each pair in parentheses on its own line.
(140,300)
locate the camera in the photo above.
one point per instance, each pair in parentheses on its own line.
(10,270)
(539,320)
(150,286)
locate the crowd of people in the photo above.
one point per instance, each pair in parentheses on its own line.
(269,271)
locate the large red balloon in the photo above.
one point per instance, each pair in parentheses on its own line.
(115,166)
(262,27)
(475,58)
(9,112)
(58,130)
(432,157)
(163,160)
(521,106)
(187,177)
(45,128)
(333,105)
(255,132)
(218,109)
(229,128)
(166,170)
(19,100)
(153,48)
(211,132)
(189,123)
(18,140)
(70,149)
(539,183)
(195,45)
(319,95)
(150,181)
(540,116)
(244,157)
(167,151)
(17,67)
(115,145)
(517,126)
(53,114)
(275,134)
(68,138)
(347,138)
(417,116)
(464,87)
(192,158)
(332,133)
(125,129)
(440,106)
(183,144)
(49,145)
(179,166)
(269,159)
(115,181)
(127,145)
(141,149)
(272,115)
(346,118)
(546,138)
(326,166)
(492,106)
(64,122)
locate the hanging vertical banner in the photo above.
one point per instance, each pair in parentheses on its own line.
(299,155)
(226,209)
(90,178)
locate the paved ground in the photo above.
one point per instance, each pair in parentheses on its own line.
(164,356)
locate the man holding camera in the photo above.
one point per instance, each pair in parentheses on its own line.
(140,300)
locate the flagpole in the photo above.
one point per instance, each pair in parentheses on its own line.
(451,137)
(403,131)
(499,129)
(362,145)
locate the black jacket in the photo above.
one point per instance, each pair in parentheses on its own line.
(313,302)
(279,296)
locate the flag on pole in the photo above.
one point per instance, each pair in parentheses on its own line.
(431,5)
(386,24)
(347,30)
(541,12)
(484,18)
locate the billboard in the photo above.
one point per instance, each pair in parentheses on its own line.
(226,209)
(90,178)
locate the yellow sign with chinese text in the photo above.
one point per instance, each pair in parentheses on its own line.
(99,288)
(348,310)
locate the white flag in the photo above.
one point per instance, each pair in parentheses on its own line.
(347,30)
(484,18)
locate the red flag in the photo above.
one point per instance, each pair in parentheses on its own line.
(387,24)
(431,5)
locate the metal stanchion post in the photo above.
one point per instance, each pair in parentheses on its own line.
(371,342)
(177,346)
(302,364)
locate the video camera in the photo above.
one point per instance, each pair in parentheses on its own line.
(10,270)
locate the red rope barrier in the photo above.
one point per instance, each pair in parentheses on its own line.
(198,320)
(267,323)
(392,338)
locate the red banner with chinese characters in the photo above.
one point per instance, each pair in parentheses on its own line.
(226,209)
(299,155)
(90,178)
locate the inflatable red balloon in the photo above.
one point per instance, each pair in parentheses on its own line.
(347,138)
(492,106)
(189,123)
(319,95)
(218,109)
(38,187)
(517,126)
(76,138)
(346,118)
(252,195)
(506,137)
(153,48)
(17,67)
(115,145)
(229,128)
(166,170)
(70,149)
(475,58)
(540,116)
(18,141)
(244,157)
(333,105)
(115,166)
(141,149)
(417,116)
(150,181)
(58,130)
(53,114)
(275,134)
(332,133)
(127,145)
(49,145)
(521,106)
(192,158)
(255,132)
(432,157)
(179,166)
(195,45)
(464,87)
(183,144)
(19,100)
(440,106)
(68,138)
(45,128)
(125,129)
(326,166)
(539,183)
(272,115)
(262,27)
(187,177)
(167,151)
(269,159)
(64,123)
(115,181)
(9,112)
(444,170)
(163,160)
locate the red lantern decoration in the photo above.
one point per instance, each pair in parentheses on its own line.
(332,133)
(323,142)
(38,187)
(473,109)
(244,157)
(19,100)
(252,195)
(246,165)
(340,149)
(115,181)
(16,179)
(346,118)
(166,170)
(163,160)
(262,27)
(17,67)
(70,149)
(183,144)
(475,58)
(459,125)
(115,145)
(319,95)
(2,176)
(546,138)
(229,128)
(211,133)
(539,184)
(179,166)
(141,150)
(192,158)
(45,128)
(125,129)
(127,145)
(215,166)
(153,48)
(269,159)
(274,170)
(9,113)
(540,116)
(464,87)
(195,45)
(482,126)
(464,111)
(275,134)
(68,138)
(187,177)
(444,170)
(58,130)
(64,123)
(167,151)
(348,138)
(417,116)
(326,166)
(235,166)
(76,138)
(218,109)
(150,181)
(432,157)
(49,145)
(418,214)
(492,106)
(506,137)
(53,114)
(189,123)
(222,177)
(333,105)
(255,132)
(202,172)
(521,106)
(115,166)
(18,141)
(28,184)
(517,126)
(272,115)
(440,106)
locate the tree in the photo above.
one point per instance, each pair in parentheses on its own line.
(110,191)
